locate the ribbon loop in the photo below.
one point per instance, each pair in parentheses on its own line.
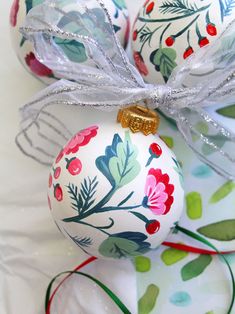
(105,79)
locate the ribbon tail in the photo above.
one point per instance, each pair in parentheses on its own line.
(51,118)
(213,143)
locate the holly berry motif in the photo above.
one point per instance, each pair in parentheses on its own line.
(155,152)
(135,35)
(178,23)
(188,52)
(74,166)
(211,29)
(203,42)
(152,226)
(170,41)
(50,181)
(57,172)
(150,8)
(59,157)
(58,193)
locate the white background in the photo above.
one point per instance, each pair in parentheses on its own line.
(32,250)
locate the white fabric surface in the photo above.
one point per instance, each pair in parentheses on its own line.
(32,250)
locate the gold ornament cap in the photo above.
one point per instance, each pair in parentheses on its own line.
(139,119)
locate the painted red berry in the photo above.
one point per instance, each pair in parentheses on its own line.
(135,34)
(203,42)
(211,29)
(150,7)
(152,226)
(50,181)
(155,149)
(59,157)
(74,166)
(188,52)
(170,41)
(58,193)
(57,172)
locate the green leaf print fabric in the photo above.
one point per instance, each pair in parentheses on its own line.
(172,281)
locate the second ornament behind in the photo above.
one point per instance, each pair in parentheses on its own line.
(74,50)
(168,31)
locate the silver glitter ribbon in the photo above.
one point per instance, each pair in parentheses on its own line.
(109,81)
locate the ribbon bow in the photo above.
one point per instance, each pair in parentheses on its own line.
(107,80)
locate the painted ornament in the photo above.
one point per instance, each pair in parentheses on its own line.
(114,193)
(168,31)
(74,50)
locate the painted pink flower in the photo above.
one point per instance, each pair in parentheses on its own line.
(14,11)
(82,138)
(139,62)
(37,67)
(158,192)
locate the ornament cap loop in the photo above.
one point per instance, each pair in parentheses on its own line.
(139,119)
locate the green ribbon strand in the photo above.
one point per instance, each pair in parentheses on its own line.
(115,299)
(199,238)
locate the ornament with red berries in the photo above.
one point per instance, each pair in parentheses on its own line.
(74,51)
(115,192)
(168,31)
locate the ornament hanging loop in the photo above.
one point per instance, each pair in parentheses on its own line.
(139,119)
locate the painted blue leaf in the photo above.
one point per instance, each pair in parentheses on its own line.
(181,298)
(202,171)
(116,28)
(102,162)
(119,164)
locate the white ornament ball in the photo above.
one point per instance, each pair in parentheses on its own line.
(114,193)
(24,49)
(168,31)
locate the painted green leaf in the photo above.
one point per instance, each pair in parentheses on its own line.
(195,267)
(148,301)
(164,61)
(124,244)
(74,50)
(228,112)
(142,264)
(194,205)
(171,256)
(119,164)
(168,140)
(222,231)
(222,192)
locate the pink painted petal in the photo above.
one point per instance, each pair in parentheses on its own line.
(158,210)
(150,185)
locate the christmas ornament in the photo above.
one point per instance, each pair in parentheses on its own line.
(166,32)
(117,193)
(75,51)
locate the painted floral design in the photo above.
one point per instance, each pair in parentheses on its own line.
(158,192)
(196,20)
(139,62)
(37,67)
(82,138)
(14,11)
